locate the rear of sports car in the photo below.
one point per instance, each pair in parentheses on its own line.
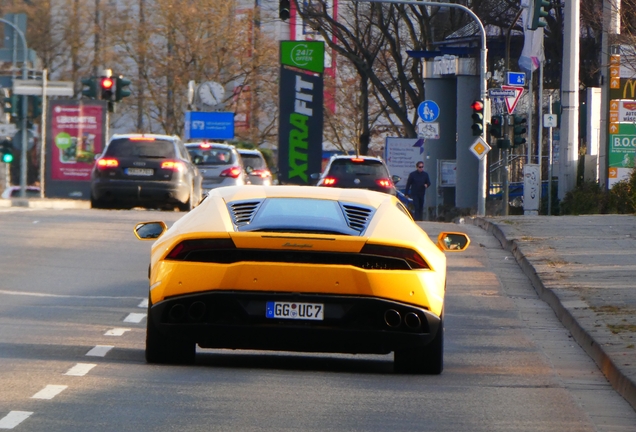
(327,272)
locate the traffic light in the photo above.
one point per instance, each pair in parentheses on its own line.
(283,9)
(106,85)
(6,150)
(91,87)
(478,117)
(35,103)
(496,126)
(539,9)
(120,88)
(519,129)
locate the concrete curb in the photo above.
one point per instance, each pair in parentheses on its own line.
(619,381)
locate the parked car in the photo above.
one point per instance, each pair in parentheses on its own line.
(145,170)
(256,167)
(219,164)
(15,191)
(295,268)
(363,172)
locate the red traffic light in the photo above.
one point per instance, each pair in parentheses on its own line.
(477,105)
(107,83)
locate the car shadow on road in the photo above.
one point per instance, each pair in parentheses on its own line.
(296,361)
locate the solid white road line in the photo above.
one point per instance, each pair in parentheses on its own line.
(116,331)
(135,317)
(143,304)
(13,419)
(80,369)
(99,350)
(49,392)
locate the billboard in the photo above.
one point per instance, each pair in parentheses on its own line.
(622,153)
(209,125)
(76,132)
(300,125)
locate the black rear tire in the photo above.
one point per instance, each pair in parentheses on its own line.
(188,205)
(427,360)
(163,349)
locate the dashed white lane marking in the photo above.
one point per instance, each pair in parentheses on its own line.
(135,317)
(13,419)
(49,392)
(99,350)
(80,369)
(143,304)
(116,331)
(36,294)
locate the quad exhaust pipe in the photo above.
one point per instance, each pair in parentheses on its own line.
(392,318)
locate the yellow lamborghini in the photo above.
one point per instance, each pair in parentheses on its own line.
(298,268)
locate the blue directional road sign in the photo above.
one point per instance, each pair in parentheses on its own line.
(209,125)
(516,78)
(428,111)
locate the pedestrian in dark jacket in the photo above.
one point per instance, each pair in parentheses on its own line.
(416,186)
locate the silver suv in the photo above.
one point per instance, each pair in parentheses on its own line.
(256,167)
(219,164)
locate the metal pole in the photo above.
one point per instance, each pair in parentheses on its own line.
(482,187)
(43,134)
(540,131)
(550,164)
(569,141)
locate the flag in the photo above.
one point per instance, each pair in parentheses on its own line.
(532,53)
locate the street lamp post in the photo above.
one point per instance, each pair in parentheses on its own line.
(481,199)
(25,108)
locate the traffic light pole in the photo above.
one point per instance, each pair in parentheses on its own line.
(482,186)
(23,159)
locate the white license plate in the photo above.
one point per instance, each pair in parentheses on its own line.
(139,171)
(298,311)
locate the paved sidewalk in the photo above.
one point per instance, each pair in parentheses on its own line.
(584,267)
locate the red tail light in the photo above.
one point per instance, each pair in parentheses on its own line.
(385,183)
(141,138)
(233,172)
(106,163)
(261,173)
(357,160)
(329,181)
(181,251)
(172,165)
(413,258)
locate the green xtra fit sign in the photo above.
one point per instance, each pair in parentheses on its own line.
(306,55)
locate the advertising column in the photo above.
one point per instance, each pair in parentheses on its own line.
(76,133)
(301,111)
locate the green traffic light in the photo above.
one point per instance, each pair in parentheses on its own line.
(539,11)
(7,158)
(120,88)
(91,91)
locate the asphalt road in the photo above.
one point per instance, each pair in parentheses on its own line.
(72,293)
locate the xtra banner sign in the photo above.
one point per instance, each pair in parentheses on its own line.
(76,133)
(300,125)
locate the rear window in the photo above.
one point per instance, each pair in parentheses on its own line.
(210,156)
(345,167)
(255,161)
(157,148)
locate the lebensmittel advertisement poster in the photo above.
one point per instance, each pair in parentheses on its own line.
(77,135)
